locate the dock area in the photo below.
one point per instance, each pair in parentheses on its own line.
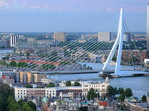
(68,72)
(124,75)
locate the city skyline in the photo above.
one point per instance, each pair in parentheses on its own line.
(70,15)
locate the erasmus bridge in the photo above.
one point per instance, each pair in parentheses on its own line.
(42,62)
(117,72)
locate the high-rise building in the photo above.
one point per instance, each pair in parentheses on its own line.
(26,77)
(104,36)
(60,36)
(127,37)
(13,40)
(147,36)
(38,77)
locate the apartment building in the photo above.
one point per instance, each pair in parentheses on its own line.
(73,91)
(21,93)
(100,87)
(29,77)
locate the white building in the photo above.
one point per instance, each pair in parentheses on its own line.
(146,62)
(127,37)
(100,87)
(72,91)
(21,93)
(46,81)
(95,57)
(104,36)
(50,92)
(60,36)
(13,40)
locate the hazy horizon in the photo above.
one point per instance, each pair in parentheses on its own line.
(71,15)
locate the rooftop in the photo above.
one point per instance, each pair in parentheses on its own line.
(142,105)
(57,88)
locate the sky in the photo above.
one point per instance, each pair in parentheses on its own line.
(71,15)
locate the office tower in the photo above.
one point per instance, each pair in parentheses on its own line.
(13,40)
(127,37)
(31,40)
(104,36)
(38,77)
(60,36)
(147,31)
(26,77)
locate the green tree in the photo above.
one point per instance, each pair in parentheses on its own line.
(91,95)
(51,85)
(32,65)
(77,83)
(83,108)
(54,53)
(13,64)
(21,102)
(32,105)
(3,104)
(143,98)
(27,55)
(6,90)
(114,58)
(115,91)
(48,66)
(5,58)
(84,66)
(10,99)
(26,107)
(88,67)
(22,64)
(65,62)
(8,102)
(3,62)
(29,86)
(110,91)
(122,97)
(68,83)
(15,106)
(128,92)
(121,91)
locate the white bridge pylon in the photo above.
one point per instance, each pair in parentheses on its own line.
(118,42)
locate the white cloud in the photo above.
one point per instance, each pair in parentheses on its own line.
(24,2)
(3,4)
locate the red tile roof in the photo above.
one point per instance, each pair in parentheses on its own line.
(103,103)
(37,62)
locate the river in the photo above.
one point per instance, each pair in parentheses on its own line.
(139,85)
(4,52)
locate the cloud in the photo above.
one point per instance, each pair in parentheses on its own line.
(78,6)
(24,2)
(3,4)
